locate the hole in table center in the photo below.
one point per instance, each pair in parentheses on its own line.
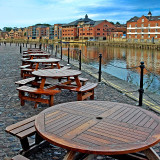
(99,118)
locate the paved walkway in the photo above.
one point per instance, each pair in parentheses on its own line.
(11,111)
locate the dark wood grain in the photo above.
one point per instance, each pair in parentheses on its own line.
(99,127)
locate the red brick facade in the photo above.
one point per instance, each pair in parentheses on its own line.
(144,28)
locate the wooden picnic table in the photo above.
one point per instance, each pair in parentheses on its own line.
(50,61)
(100,127)
(37,55)
(56,74)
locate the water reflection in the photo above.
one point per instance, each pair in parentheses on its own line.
(114,59)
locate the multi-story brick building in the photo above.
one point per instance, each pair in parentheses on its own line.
(40,32)
(145,28)
(50,32)
(88,29)
(57,31)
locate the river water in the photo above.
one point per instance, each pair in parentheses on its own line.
(122,63)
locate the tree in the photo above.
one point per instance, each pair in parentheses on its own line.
(8,29)
(117,23)
(112,23)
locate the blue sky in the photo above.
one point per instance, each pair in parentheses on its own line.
(24,13)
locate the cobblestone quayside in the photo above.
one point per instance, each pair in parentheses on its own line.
(11,111)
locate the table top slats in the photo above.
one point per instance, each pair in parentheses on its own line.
(142,130)
(99,127)
(72,126)
(58,124)
(70,123)
(122,130)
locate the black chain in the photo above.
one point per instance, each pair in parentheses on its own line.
(152,99)
(152,73)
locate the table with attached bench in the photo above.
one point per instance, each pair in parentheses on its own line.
(100,128)
(73,84)
(27,72)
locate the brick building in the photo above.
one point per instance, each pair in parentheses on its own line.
(57,31)
(88,29)
(144,29)
(50,32)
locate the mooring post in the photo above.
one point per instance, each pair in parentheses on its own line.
(68,55)
(100,64)
(61,52)
(141,90)
(20,49)
(56,52)
(80,60)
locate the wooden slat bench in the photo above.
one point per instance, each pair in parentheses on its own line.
(26,72)
(25,66)
(19,157)
(85,91)
(23,130)
(30,81)
(34,94)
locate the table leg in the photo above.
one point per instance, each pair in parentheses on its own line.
(77,81)
(37,65)
(70,155)
(42,83)
(151,154)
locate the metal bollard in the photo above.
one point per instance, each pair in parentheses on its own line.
(141,90)
(80,60)
(61,52)
(68,55)
(26,45)
(56,52)
(20,49)
(100,64)
(35,45)
(23,44)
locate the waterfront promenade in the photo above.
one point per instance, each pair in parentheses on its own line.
(11,111)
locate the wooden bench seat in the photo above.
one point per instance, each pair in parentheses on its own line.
(25,66)
(19,157)
(30,81)
(85,91)
(26,72)
(34,94)
(23,130)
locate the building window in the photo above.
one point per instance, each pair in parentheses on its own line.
(155,35)
(129,36)
(156,24)
(155,30)
(148,30)
(135,35)
(142,25)
(142,30)
(148,25)
(142,36)
(98,29)
(149,36)
(130,25)
(135,25)
(98,33)
(130,30)
(142,20)
(135,30)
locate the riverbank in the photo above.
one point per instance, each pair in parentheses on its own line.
(113,43)
(11,111)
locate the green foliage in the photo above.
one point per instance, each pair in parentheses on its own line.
(39,24)
(112,23)
(25,34)
(8,29)
(117,23)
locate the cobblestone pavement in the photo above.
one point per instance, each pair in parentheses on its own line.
(11,111)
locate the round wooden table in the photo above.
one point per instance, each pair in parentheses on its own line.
(56,74)
(99,127)
(38,55)
(44,60)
